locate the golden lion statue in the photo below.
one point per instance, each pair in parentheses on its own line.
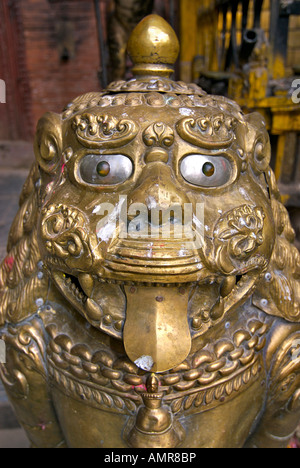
(150,294)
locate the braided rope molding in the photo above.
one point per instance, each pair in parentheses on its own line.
(213,395)
(204,367)
(194,400)
(95,395)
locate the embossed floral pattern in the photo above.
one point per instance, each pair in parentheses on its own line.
(65,236)
(94,130)
(238,234)
(158,134)
(243,231)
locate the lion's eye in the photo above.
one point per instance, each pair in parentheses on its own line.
(109,169)
(206,171)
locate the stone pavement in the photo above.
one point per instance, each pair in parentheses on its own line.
(11,434)
(11,182)
(15,161)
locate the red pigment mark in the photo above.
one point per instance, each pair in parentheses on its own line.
(141,387)
(63,167)
(42,426)
(9,262)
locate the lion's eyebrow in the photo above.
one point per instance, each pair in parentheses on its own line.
(102,130)
(210,132)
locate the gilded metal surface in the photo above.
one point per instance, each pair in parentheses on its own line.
(150,294)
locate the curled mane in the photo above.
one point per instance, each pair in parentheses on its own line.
(278,293)
(22,281)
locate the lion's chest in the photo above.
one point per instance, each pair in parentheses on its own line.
(97,391)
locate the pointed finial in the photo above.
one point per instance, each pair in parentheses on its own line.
(153,47)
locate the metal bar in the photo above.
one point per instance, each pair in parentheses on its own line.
(281,38)
(279,156)
(245,5)
(224,8)
(275,8)
(102,49)
(257,13)
(279,28)
(172,14)
(297,161)
(232,53)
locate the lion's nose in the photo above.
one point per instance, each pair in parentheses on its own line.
(159,191)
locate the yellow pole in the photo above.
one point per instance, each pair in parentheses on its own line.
(188,34)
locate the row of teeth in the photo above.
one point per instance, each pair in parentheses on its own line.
(75,290)
(78,292)
(142,283)
(80,295)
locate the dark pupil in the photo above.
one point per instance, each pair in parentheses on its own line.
(103,168)
(208,169)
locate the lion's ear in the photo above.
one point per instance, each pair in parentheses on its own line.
(278,293)
(48,142)
(258,142)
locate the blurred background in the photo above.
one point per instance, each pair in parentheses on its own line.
(51,51)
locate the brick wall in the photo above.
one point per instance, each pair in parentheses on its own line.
(59,68)
(15,114)
(60,56)
(49,54)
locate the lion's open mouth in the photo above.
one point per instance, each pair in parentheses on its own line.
(157,312)
(158,317)
(78,290)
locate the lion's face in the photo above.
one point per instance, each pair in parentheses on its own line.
(147,200)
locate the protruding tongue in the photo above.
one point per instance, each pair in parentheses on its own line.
(156,331)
